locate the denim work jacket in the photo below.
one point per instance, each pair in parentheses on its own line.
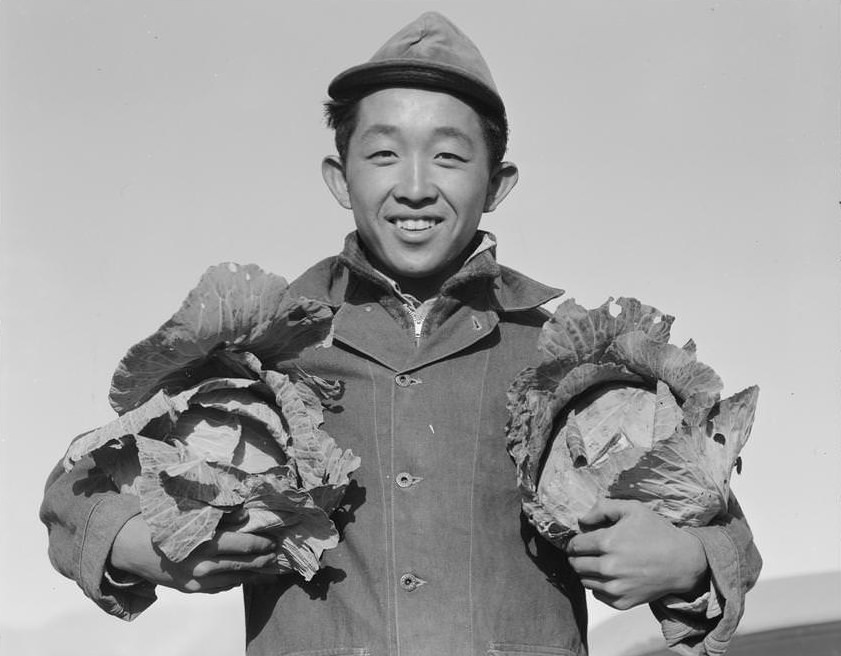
(436,558)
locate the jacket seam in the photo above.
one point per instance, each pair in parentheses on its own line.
(391,521)
(390,601)
(85,538)
(472,494)
(737,614)
(732,549)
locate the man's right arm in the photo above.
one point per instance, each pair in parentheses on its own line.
(98,538)
(83,514)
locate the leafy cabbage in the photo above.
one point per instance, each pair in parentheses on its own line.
(614,410)
(206,428)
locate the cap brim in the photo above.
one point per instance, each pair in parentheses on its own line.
(365,78)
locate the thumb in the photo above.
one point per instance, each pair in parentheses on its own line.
(235,518)
(605,512)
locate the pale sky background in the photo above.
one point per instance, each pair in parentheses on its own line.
(686,153)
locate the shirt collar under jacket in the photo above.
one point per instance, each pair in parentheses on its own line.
(488,242)
(511,291)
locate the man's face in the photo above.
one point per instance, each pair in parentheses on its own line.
(417,179)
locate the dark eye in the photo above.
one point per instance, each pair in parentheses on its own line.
(382,154)
(450,157)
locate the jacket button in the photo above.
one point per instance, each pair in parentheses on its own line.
(409,582)
(403,380)
(405,479)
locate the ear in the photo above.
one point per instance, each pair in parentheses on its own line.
(333,172)
(503,179)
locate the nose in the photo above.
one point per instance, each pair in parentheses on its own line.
(416,186)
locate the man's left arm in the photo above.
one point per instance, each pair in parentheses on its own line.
(694,579)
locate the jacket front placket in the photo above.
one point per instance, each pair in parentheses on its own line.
(428,408)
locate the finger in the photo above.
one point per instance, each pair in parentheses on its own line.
(217,582)
(253,576)
(266,575)
(604,513)
(231,542)
(586,544)
(269,570)
(276,567)
(233,564)
(587,567)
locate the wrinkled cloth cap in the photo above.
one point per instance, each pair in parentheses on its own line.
(429,52)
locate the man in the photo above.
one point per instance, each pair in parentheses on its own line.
(429,330)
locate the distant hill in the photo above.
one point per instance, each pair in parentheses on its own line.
(177,625)
(796,601)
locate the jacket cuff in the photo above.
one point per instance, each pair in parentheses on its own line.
(701,631)
(707,603)
(106,518)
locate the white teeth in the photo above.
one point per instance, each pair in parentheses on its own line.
(414,224)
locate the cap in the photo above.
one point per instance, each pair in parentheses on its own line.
(430,52)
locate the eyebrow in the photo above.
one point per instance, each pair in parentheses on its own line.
(384,129)
(455,133)
(378,129)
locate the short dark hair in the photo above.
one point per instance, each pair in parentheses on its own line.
(341,117)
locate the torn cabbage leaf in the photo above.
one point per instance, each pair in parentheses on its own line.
(615,411)
(205,429)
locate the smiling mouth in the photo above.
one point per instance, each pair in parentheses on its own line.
(414,224)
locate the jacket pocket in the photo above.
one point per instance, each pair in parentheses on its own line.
(339,651)
(511,649)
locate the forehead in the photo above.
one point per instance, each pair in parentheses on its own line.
(416,112)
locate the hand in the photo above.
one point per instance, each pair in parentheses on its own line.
(628,555)
(226,561)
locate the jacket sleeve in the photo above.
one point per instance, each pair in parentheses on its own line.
(734,562)
(83,513)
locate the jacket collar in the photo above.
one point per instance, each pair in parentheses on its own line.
(511,291)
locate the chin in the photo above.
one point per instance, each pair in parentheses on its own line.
(414,274)
(413,270)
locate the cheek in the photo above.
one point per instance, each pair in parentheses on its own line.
(470,210)
(366,195)
(470,193)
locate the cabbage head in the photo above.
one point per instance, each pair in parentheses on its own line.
(614,410)
(213,422)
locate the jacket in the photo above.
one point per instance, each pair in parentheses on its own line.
(436,557)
